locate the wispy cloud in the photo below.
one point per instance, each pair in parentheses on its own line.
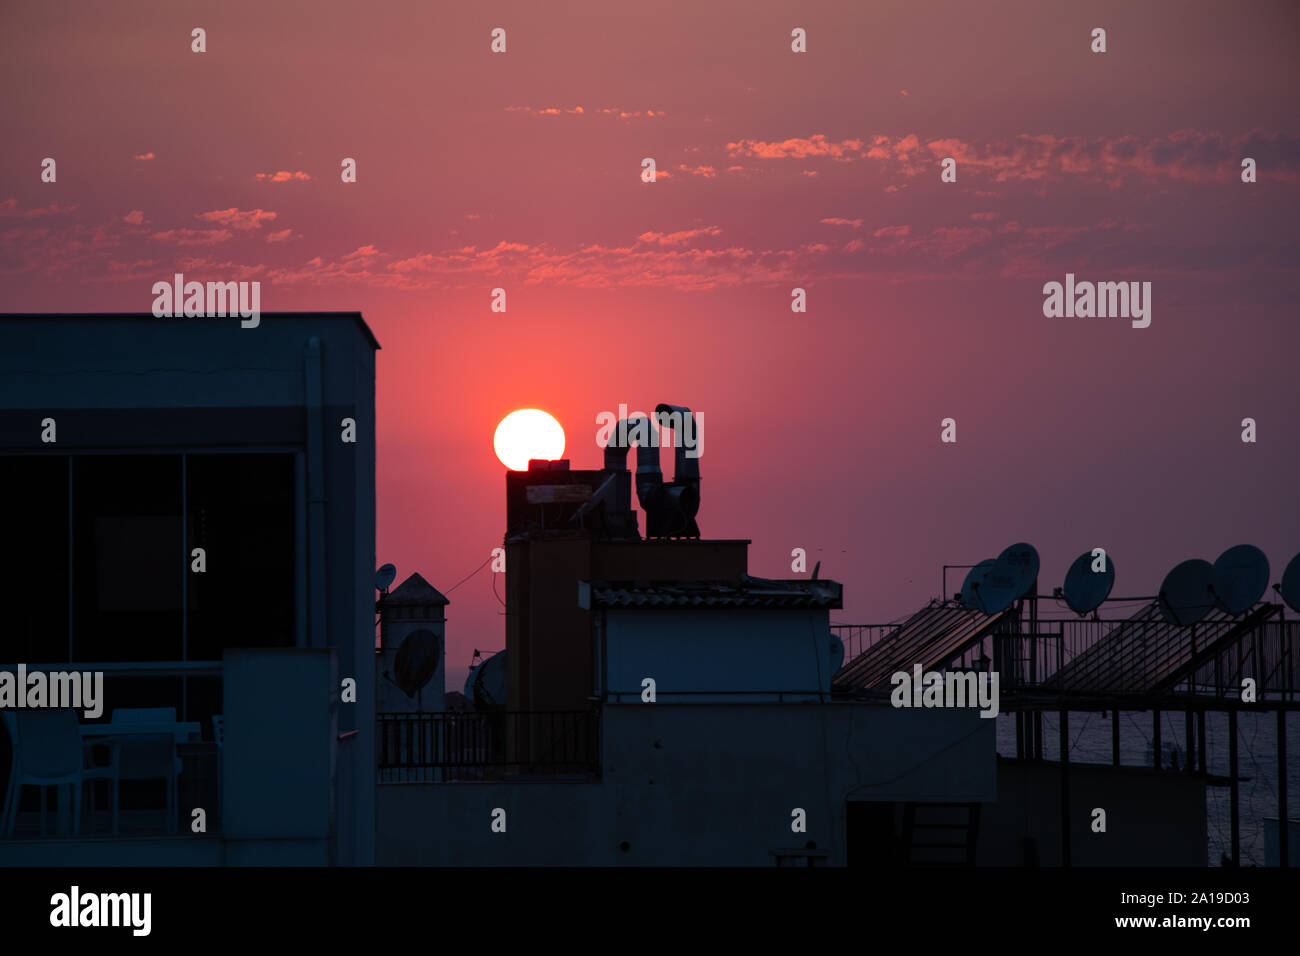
(282,176)
(233,218)
(194,237)
(798,148)
(1189,155)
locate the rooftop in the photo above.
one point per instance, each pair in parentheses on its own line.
(749,593)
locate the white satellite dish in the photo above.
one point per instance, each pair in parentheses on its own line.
(385,576)
(1240,578)
(1086,589)
(1291,584)
(1188,592)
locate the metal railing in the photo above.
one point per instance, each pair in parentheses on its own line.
(1027,660)
(466,746)
(857,638)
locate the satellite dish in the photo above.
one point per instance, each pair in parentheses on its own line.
(416,662)
(1188,592)
(385,576)
(1001,584)
(1085,588)
(1240,578)
(1023,559)
(971,586)
(486,684)
(1291,584)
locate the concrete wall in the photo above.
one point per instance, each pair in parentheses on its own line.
(134,382)
(1152,819)
(693,650)
(699,785)
(549,636)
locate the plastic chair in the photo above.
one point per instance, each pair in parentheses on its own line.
(150,757)
(219,738)
(48,752)
(126,716)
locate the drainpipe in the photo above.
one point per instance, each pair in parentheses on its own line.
(316,635)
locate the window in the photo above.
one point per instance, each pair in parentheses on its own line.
(96,555)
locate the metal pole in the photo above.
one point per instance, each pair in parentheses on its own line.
(1114,737)
(1200,742)
(1233,788)
(1283,821)
(185,584)
(1189,753)
(1065,789)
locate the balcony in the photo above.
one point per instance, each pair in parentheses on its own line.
(138,770)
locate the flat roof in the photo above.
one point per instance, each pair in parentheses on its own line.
(354,316)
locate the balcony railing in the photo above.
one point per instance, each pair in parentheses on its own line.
(468,746)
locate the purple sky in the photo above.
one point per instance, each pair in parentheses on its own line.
(818,170)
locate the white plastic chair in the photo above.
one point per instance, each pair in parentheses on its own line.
(48,752)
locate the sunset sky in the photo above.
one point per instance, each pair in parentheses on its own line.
(777,170)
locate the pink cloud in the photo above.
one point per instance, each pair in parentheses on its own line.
(816,145)
(193,237)
(678,238)
(1189,155)
(281,236)
(282,176)
(135,217)
(237,219)
(9,208)
(143,156)
(836,221)
(548,110)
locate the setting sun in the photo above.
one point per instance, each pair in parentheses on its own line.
(525,434)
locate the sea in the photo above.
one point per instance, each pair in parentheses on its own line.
(1090,742)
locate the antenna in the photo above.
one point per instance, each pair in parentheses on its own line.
(1240,578)
(1086,589)
(1188,592)
(384,578)
(1291,584)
